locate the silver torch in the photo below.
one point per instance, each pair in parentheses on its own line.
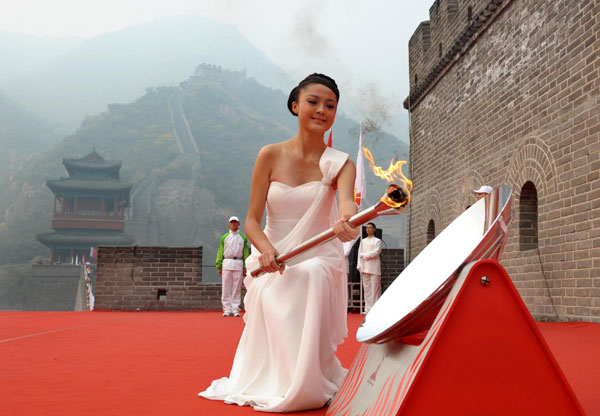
(393,202)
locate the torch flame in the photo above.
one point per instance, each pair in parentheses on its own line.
(391,174)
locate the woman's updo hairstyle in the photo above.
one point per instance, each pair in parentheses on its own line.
(312,79)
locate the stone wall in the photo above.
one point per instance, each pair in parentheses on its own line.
(513,98)
(153,278)
(392,262)
(56,288)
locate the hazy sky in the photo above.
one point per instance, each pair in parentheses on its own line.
(362,44)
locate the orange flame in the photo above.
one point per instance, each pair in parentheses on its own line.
(391,174)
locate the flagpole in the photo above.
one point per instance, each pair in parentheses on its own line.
(359,187)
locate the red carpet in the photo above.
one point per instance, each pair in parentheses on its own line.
(154,363)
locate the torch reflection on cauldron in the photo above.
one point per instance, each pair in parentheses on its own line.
(392,202)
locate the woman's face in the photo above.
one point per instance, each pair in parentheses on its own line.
(316,107)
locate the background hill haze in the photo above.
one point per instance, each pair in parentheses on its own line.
(183,102)
(119,66)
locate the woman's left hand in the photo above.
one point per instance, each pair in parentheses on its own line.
(344,230)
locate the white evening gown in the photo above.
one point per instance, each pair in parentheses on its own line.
(285,359)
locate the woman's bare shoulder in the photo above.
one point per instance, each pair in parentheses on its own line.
(272,151)
(268,157)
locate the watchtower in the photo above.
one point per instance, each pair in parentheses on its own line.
(89,207)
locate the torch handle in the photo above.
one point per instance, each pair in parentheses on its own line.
(327,235)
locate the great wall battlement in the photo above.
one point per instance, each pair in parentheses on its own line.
(452,26)
(214,73)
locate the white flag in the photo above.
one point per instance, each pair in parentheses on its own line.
(360,188)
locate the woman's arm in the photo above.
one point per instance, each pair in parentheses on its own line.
(261,179)
(347,207)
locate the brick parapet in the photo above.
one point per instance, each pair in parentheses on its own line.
(392,260)
(134,278)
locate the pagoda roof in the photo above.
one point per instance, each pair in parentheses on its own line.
(88,184)
(91,162)
(85,238)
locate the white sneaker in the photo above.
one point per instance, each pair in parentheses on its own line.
(236,314)
(227,314)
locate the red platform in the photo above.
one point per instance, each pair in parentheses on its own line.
(154,363)
(483,355)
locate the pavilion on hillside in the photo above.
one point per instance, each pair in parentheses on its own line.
(89,208)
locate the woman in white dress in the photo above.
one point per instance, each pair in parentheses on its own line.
(295,313)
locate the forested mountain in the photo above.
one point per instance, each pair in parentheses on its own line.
(188,151)
(118,66)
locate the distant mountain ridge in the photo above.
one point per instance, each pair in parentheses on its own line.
(118,66)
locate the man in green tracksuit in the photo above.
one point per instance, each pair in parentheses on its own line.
(231,256)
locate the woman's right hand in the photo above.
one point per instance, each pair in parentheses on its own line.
(344,230)
(268,263)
